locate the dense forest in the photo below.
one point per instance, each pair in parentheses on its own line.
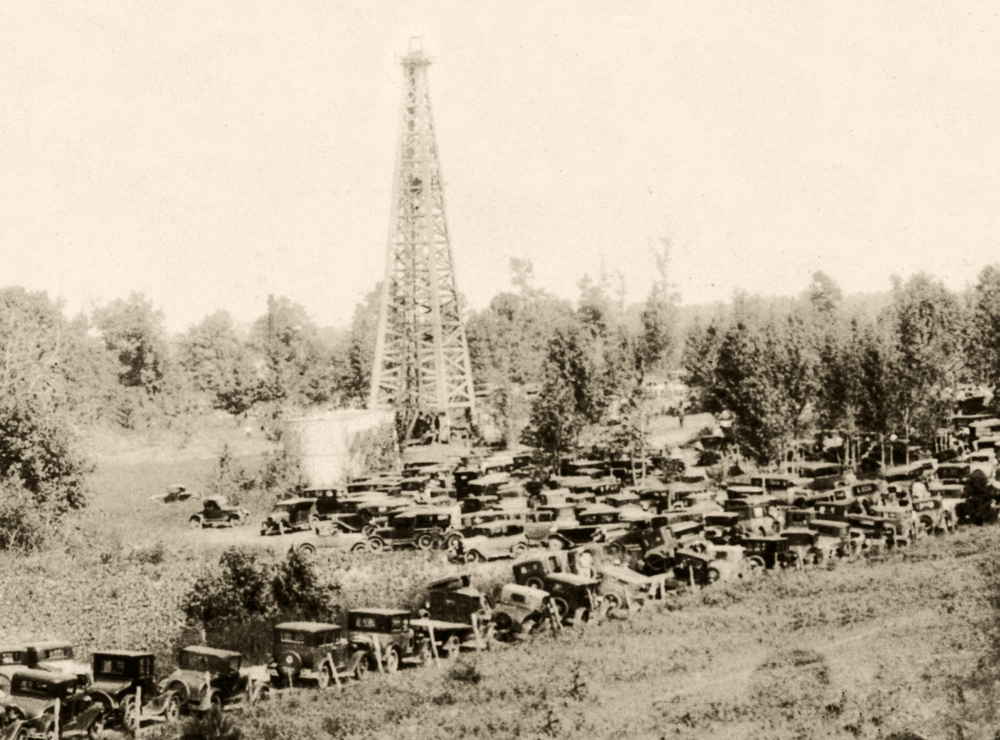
(782,368)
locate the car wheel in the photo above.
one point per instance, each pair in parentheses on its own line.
(451,648)
(757,563)
(713,575)
(194,522)
(307,549)
(324,678)
(474,557)
(425,542)
(392,661)
(562,608)
(519,549)
(503,621)
(368,530)
(535,583)
(360,547)
(361,669)
(173,710)
(376,545)
(612,601)
(556,544)
(527,627)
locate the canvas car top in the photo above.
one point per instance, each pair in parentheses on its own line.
(306,626)
(213,652)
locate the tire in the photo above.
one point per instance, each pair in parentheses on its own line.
(615,550)
(391,661)
(368,530)
(325,677)
(173,710)
(519,549)
(307,549)
(362,668)
(535,582)
(612,601)
(181,692)
(713,575)
(474,557)
(451,648)
(360,547)
(195,522)
(375,545)
(562,608)
(503,622)
(425,541)
(757,563)
(555,543)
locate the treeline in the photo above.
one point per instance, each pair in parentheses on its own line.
(785,369)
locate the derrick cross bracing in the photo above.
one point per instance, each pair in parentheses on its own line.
(422,366)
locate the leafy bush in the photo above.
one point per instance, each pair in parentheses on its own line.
(297,588)
(239,589)
(22,525)
(229,479)
(214,725)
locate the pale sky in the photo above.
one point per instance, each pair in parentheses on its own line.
(210,153)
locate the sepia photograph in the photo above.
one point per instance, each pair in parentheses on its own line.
(397,369)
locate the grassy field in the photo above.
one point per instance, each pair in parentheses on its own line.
(865,649)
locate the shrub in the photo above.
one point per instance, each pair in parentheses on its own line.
(22,523)
(297,588)
(213,726)
(240,589)
(229,479)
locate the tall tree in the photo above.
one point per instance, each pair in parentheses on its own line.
(133,331)
(984,330)
(220,364)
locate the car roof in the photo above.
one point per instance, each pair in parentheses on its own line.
(295,501)
(45,644)
(307,626)
(599,509)
(571,578)
(514,588)
(214,652)
(123,653)
(380,611)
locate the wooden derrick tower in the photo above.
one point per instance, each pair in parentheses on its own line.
(422,367)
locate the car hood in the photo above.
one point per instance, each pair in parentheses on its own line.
(31,706)
(275,516)
(73,667)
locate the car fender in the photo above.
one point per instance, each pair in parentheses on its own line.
(103,698)
(83,721)
(16,730)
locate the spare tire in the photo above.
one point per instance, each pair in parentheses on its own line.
(290,664)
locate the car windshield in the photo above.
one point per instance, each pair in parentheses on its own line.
(58,653)
(191,661)
(292,638)
(11,657)
(111,666)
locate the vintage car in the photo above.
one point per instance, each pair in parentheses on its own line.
(718,563)
(491,541)
(12,660)
(531,571)
(118,677)
(29,707)
(420,527)
(520,610)
(757,515)
(768,552)
(784,488)
(720,528)
(56,655)
(597,523)
(455,617)
(227,684)
(314,651)
(290,515)
(327,536)
(660,545)
(174,492)
(574,597)
(386,637)
(623,588)
(216,511)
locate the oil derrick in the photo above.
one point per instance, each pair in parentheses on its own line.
(422,367)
